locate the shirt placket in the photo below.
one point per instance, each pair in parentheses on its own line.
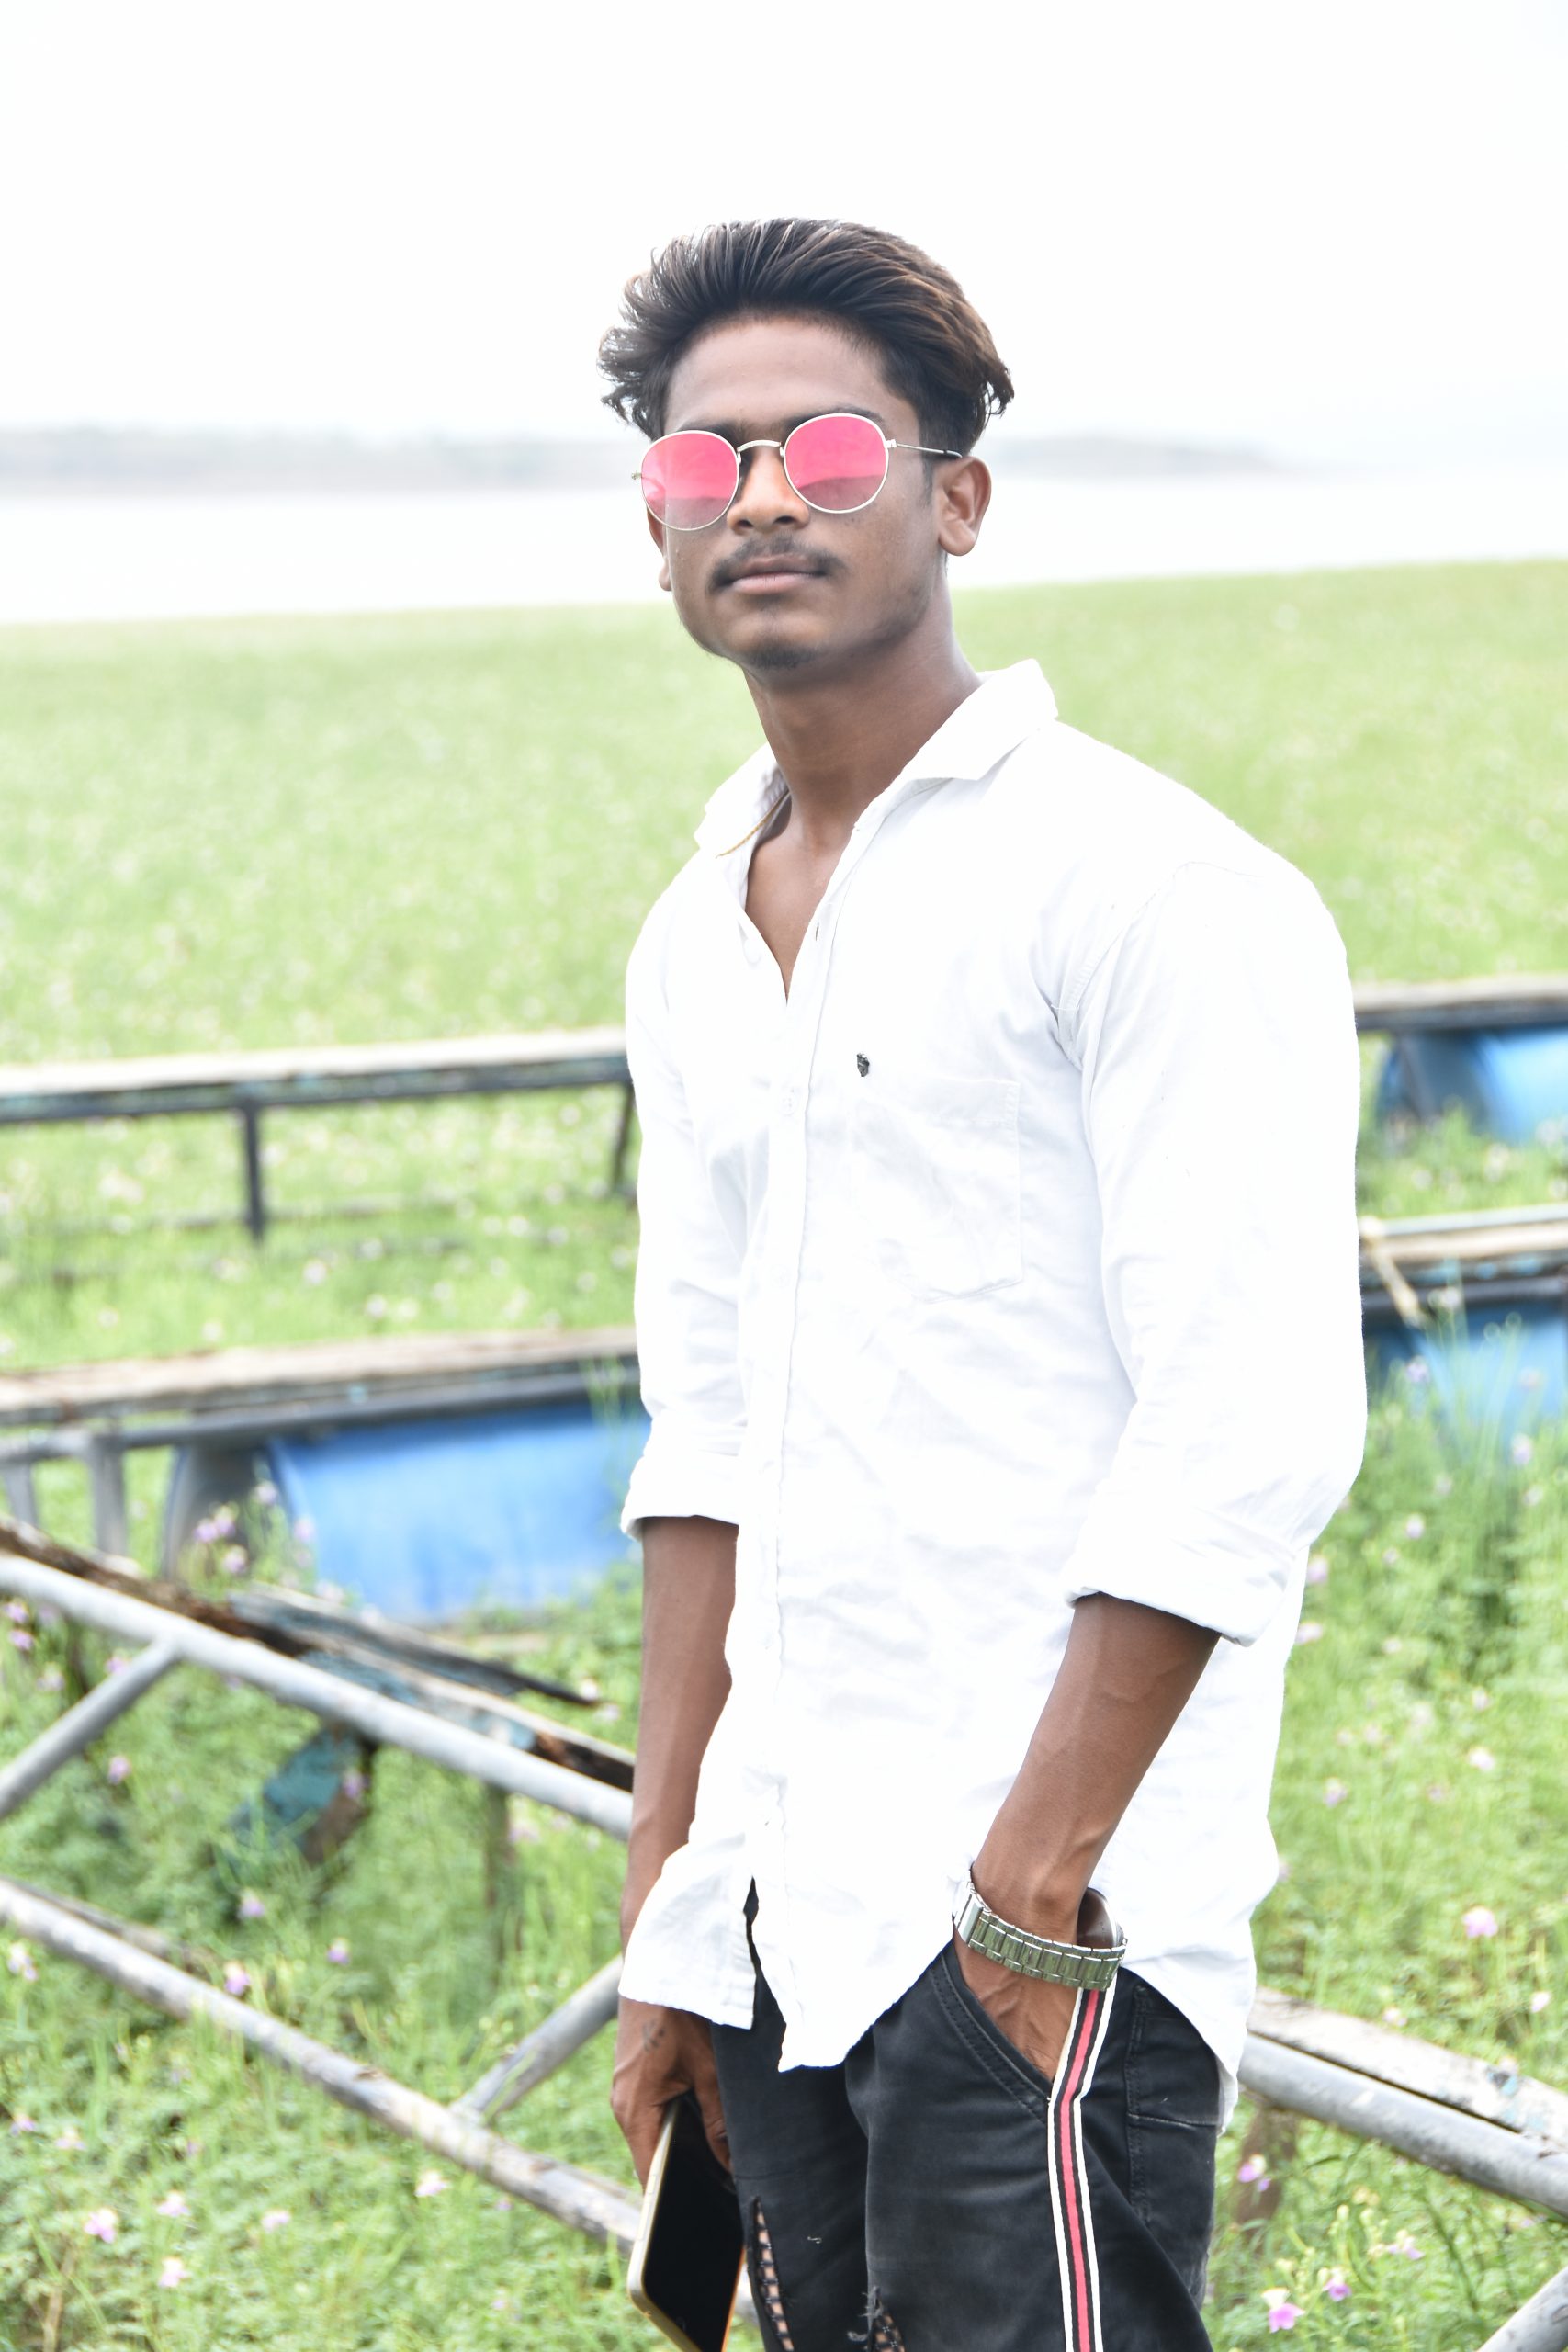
(771,1760)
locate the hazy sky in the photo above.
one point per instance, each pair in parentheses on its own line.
(1333,230)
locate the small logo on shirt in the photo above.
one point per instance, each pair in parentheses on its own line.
(862,1064)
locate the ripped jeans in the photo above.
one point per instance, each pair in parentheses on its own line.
(934,2193)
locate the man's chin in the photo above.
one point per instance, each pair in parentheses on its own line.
(770,649)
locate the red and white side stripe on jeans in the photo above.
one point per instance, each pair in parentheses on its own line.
(1069,2178)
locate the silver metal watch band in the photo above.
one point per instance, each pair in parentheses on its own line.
(1091,1966)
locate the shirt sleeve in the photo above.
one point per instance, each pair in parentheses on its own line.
(687,1288)
(1221,1099)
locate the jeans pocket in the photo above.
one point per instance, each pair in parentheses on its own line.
(979,2030)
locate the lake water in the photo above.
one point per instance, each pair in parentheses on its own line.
(139,558)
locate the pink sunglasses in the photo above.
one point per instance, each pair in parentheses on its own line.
(835,463)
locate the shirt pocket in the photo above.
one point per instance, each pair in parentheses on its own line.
(934,1181)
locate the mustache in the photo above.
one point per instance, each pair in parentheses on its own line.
(791,557)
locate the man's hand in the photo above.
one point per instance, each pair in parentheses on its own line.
(659,2054)
(1029,2011)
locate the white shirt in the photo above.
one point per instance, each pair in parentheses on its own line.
(1013,1258)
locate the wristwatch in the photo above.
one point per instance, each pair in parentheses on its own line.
(1091,1966)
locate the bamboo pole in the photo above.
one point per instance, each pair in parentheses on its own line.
(388,1722)
(595,2207)
(1378,1255)
(582,2014)
(1496,2093)
(1540,2326)
(1514,2164)
(193,1958)
(82,1723)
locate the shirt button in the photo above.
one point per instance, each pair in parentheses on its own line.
(786,1101)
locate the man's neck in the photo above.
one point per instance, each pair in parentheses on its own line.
(839,741)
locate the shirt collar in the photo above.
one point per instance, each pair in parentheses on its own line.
(1007,706)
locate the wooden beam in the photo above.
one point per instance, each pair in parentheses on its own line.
(1494,2094)
(445,1682)
(1497,1000)
(387,1722)
(255,1179)
(1535,1238)
(106,1475)
(309,1076)
(321,1371)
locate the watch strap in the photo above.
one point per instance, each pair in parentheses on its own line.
(1089,1966)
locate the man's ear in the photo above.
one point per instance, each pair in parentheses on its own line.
(656,533)
(963,495)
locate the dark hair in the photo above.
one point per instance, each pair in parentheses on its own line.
(936,351)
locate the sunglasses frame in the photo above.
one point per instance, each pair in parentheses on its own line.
(737,450)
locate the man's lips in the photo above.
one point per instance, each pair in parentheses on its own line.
(770,572)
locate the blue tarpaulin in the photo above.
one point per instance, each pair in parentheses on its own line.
(425,1519)
(1510,1083)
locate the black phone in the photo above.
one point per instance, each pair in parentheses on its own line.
(685,2265)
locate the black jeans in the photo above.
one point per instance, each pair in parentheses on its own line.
(934,2193)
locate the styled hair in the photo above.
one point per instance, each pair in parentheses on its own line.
(935,350)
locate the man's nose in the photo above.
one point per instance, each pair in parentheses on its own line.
(765,496)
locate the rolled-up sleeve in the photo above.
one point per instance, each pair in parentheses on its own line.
(687,1284)
(1221,1096)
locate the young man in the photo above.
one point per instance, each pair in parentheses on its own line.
(999,1325)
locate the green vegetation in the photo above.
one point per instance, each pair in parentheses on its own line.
(249,834)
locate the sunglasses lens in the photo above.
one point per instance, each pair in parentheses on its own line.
(688,480)
(837,463)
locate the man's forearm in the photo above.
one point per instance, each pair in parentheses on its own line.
(1127,1674)
(688,1591)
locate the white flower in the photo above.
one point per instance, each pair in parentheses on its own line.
(431,2184)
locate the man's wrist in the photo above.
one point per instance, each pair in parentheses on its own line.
(1046,1903)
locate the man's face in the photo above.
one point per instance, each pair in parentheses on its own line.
(775,585)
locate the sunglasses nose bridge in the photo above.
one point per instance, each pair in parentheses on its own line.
(753,472)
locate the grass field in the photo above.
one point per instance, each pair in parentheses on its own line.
(253,834)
